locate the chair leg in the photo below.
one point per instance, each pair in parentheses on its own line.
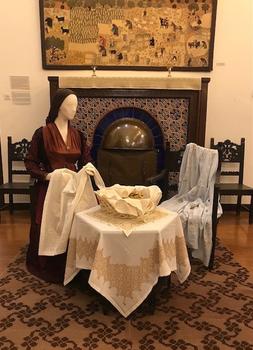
(1,200)
(11,203)
(251,210)
(214,227)
(239,203)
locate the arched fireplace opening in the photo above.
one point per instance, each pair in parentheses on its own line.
(141,119)
(129,147)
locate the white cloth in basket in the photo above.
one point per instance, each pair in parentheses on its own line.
(129,201)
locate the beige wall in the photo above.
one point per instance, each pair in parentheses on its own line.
(230,104)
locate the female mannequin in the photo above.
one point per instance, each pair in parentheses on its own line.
(54,146)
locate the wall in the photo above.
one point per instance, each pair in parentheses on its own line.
(230,103)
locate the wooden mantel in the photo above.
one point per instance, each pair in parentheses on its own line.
(96,82)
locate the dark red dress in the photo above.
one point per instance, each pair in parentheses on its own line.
(48,152)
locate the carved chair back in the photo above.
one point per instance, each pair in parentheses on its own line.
(17,152)
(16,155)
(230,152)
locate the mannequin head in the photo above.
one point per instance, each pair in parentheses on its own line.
(67,110)
(64,105)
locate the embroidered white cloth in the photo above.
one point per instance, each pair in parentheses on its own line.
(129,201)
(124,269)
(68,193)
(127,226)
(195,198)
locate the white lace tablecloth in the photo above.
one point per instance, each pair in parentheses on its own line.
(125,269)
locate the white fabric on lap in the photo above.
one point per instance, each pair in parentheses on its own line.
(68,193)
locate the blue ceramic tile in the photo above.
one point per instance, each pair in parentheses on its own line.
(97,139)
(158,140)
(156,131)
(99,131)
(93,153)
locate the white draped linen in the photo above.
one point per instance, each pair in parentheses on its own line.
(194,200)
(68,193)
(124,269)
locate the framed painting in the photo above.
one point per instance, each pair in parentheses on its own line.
(128,34)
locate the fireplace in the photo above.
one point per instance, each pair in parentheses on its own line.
(132,113)
(174,109)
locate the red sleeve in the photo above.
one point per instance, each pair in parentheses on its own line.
(35,161)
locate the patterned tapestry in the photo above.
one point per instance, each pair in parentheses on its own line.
(128,33)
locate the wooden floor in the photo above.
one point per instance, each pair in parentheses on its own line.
(234,232)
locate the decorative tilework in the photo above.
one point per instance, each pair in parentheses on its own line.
(170,115)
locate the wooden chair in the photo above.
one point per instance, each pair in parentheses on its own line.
(16,155)
(172,163)
(233,153)
(173,160)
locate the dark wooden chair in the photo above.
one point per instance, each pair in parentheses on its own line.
(16,155)
(229,152)
(167,179)
(233,153)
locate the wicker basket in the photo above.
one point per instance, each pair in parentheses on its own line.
(129,206)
